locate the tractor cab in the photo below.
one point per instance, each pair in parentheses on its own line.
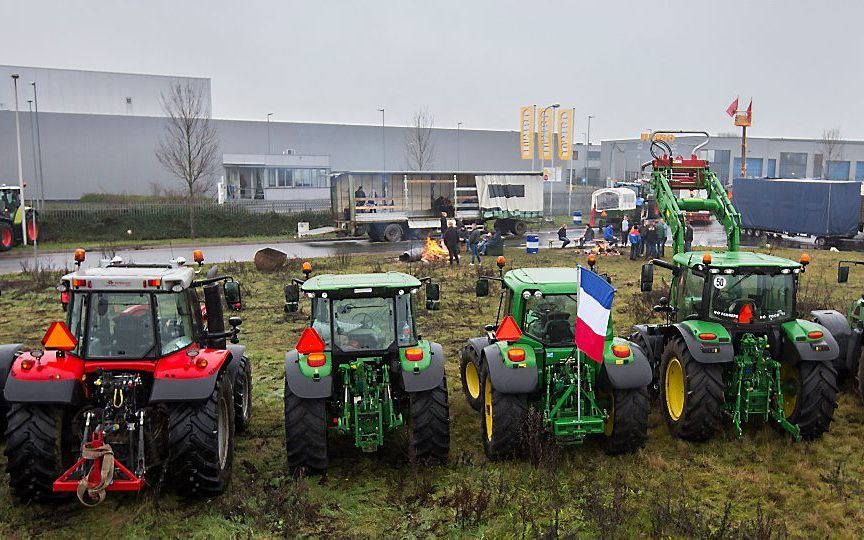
(10,200)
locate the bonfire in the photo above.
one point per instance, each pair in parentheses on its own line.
(433,251)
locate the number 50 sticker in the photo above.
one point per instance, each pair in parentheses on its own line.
(719,282)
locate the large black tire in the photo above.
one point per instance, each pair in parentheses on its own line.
(810,396)
(626,428)
(469,373)
(7,237)
(393,232)
(519,227)
(34,450)
(242,386)
(691,393)
(502,425)
(374,233)
(430,424)
(201,442)
(305,433)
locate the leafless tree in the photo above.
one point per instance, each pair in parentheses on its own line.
(419,143)
(832,148)
(189,146)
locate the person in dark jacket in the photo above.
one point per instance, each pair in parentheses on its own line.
(443,223)
(451,242)
(635,239)
(588,236)
(474,244)
(650,240)
(688,237)
(562,236)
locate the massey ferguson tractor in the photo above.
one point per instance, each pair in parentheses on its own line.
(529,359)
(11,216)
(362,370)
(138,383)
(731,345)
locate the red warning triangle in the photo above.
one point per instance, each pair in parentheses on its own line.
(310,342)
(59,338)
(508,330)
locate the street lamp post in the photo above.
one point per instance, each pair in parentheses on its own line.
(458,130)
(39,149)
(384,183)
(20,166)
(587,146)
(33,140)
(269,150)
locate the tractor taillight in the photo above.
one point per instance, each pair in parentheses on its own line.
(64,298)
(27,364)
(316,359)
(745,315)
(815,334)
(79,282)
(414,354)
(201,362)
(707,336)
(516,354)
(621,351)
(153,283)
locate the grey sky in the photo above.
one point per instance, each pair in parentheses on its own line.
(633,65)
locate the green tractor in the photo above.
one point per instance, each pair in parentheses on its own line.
(361,368)
(731,343)
(529,359)
(11,216)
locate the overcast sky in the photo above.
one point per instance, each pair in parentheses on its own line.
(632,65)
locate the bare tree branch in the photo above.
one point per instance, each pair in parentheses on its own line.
(832,148)
(189,146)
(419,143)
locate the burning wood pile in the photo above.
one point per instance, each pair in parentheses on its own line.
(602,247)
(430,252)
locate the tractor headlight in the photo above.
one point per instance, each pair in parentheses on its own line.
(538,294)
(526,295)
(323,295)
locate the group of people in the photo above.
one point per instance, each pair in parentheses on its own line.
(477,243)
(646,239)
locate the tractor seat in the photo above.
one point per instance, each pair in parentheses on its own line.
(128,333)
(558,330)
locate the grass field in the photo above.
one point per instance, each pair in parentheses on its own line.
(761,486)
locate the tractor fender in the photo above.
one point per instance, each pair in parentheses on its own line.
(301,385)
(508,380)
(795,351)
(848,341)
(706,353)
(653,342)
(636,374)
(430,377)
(60,392)
(237,351)
(7,355)
(478,344)
(174,382)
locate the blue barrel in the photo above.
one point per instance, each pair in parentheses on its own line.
(532,241)
(577,218)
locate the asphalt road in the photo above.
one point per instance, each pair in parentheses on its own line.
(14,261)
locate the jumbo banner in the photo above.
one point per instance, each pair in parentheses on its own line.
(526,132)
(565,134)
(544,125)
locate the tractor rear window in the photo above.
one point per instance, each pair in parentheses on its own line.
(551,318)
(752,298)
(120,325)
(363,324)
(174,320)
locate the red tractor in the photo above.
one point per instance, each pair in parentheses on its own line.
(138,383)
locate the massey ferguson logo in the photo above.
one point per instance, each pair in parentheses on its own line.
(112,283)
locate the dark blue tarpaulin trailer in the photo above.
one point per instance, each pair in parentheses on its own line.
(826,209)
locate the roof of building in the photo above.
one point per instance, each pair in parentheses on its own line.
(734,259)
(329,282)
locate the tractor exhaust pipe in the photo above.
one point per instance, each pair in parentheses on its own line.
(215,317)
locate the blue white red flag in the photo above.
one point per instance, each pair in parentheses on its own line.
(592,315)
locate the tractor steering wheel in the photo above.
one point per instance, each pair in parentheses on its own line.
(364,320)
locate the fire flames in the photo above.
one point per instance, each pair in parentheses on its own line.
(433,251)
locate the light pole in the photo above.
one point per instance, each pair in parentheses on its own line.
(384,182)
(458,129)
(33,139)
(587,146)
(552,144)
(20,167)
(39,146)
(268,133)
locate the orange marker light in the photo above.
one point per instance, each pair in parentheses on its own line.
(804,259)
(501,261)
(592,259)
(815,334)
(27,364)
(414,354)
(201,362)
(198,256)
(307,267)
(79,282)
(706,258)
(516,354)
(621,351)
(316,359)
(707,336)
(154,283)
(80,255)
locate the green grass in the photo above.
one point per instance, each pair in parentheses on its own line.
(727,487)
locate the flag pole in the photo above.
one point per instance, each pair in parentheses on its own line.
(743,151)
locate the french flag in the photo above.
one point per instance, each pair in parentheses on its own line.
(592,315)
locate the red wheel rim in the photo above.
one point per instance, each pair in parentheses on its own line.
(32,230)
(5,237)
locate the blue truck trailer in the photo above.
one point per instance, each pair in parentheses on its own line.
(828,210)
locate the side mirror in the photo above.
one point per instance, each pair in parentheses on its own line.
(433,296)
(292,298)
(482,288)
(663,306)
(646,280)
(235,321)
(231,290)
(842,274)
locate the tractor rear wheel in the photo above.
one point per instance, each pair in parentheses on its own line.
(691,393)
(242,385)
(7,239)
(34,450)
(503,422)
(201,442)
(626,428)
(809,396)
(305,433)
(469,371)
(430,424)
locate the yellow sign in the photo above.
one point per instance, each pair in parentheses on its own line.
(565,134)
(526,132)
(742,120)
(544,129)
(666,137)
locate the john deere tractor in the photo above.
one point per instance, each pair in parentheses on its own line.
(731,345)
(361,369)
(11,216)
(529,359)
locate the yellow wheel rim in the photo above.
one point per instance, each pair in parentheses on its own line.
(472,380)
(487,407)
(789,384)
(674,386)
(609,425)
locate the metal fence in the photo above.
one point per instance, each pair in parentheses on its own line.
(63,210)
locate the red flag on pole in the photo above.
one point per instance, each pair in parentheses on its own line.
(732,108)
(750,111)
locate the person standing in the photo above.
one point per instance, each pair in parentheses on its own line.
(635,239)
(443,223)
(643,231)
(451,242)
(650,241)
(474,244)
(562,236)
(625,231)
(359,198)
(661,238)
(688,237)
